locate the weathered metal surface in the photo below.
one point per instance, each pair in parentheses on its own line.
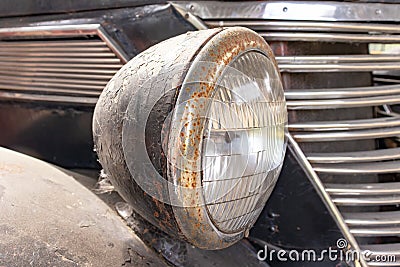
(137,96)
(49,133)
(47,218)
(180,253)
(38,7)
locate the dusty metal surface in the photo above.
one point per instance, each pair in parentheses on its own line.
(180,253)
(49,219)
(175,251)
(142,91)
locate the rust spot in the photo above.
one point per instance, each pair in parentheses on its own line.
(156,214)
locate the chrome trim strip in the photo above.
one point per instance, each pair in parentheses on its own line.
(386,80)
(109,72)
(296,26)
(330,37)
(356,156)
(59,74)
(366,201)
(333,93)
(65,59)
(337,59)
(35,54)
(64,31)
(344,125)
(343,67)
(347,135)
(53,49)
(293,10)
(54,44)
(364,189)
(61,65)
(375,232)
(319,187)
(360,168)
(372,218)
(343,103)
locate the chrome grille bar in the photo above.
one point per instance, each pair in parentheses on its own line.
(359,156)
(372,218)
(347,135)
(367,189)
(338,93)
(346,172)
(360,168)
(345,125)
(330,37)
(60,68)
(294,26)
(343,103)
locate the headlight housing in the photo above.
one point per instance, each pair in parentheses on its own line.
(192,133)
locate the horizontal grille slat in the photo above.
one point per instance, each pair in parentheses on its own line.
(61,70)
(330,37)
(376,231)
(345,125)
(372,218)
(366,189)
(71,43)
(356,156)
(22,58)
(36,54)
(338,93)
(71,68)
(59,49)
(366,201)
(360,168)
(343,103)
(342,67)
(73,65)
(337,59)
(36,79)
(347,135)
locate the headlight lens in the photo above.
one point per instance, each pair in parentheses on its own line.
(244,142)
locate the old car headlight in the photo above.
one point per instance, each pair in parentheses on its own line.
(192,133)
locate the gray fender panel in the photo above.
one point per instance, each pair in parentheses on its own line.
(47,218)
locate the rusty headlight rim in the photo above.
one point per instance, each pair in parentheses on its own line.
(194,220)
